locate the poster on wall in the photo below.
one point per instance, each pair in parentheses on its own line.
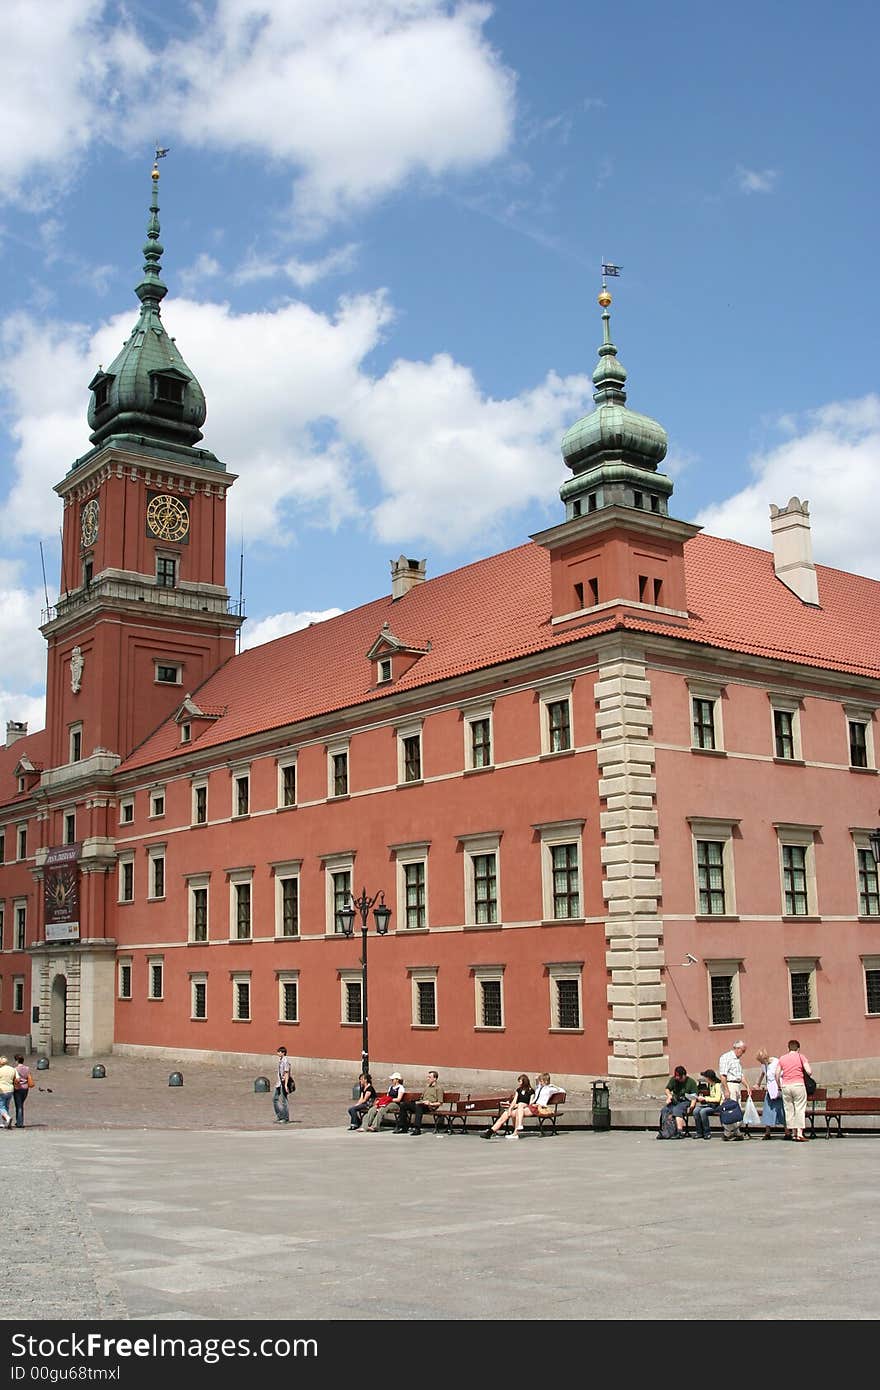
(61,892)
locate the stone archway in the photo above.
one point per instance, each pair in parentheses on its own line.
(58,1016)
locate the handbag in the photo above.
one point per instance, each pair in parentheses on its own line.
(31,1081)
(809,1081)
(750,1113)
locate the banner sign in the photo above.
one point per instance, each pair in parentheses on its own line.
(61,892)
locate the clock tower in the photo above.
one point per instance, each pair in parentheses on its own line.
(143,615)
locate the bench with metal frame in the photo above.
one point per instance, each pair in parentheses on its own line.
(838,1107)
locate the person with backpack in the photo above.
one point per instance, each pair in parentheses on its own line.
(680,1090)
(285,1088)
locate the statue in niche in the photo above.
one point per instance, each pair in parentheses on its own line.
(76,670)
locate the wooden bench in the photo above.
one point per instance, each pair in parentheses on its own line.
(818,1098)
(545,1124)
(838,1107)
(439,1116)
(468,1107)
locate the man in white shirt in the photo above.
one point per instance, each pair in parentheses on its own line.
(730,1071)
(283,1089)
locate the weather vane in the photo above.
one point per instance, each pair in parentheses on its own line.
(608,268)
(161,152)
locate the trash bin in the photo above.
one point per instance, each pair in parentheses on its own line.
(601,1107)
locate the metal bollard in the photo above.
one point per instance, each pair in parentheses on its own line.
(175,1079)
(42,1064)
(261,1083)
(98,1071)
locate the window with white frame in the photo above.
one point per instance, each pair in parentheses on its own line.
(241,996)
(126,810)
(287,781)
(241,793)
(556,723)
(123,977)
(478,750)
(797,862)
(351,996)
(69,827)
(338,873)
(706,725)
(2,846)
(200,803)
(19,917)
(489,996)
(482,887)
(197,892)
(412,885)
(156,871)
(424,996)
(566,1009)
(157,801)
(126,877)
(337,769)
(156,977)
(871,968)
(860,736)
(2,925)
(198,997)
(168,673)
(288,996)
(785,716)
(724,1000)
(186,732)
(287,897)
(383,670)
(17,994)
(868,876)
(21,846)
(561,873)
(409,754)
(240,904)
(75,743)
(803,1000)
(713,865)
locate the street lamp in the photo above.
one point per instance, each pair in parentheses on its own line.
(345,924)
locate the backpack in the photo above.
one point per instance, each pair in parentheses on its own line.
(668,1128)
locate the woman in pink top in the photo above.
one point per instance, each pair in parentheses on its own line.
(792,1066)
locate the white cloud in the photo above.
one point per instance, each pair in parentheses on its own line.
(204,267)
(756,180)
(24,656)
(833,461)
(303,274)
(279,624)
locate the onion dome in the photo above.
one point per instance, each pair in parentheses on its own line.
(614,452)
(148,393)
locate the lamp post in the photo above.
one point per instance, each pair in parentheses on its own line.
(360,907)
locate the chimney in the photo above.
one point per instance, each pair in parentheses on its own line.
(793,549)
(15,731)
(405,575)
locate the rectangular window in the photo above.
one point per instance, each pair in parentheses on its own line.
(157,802)
(703,722)
(76,736)
(199,997)
(198,907)
(351,1001)
(2,926)
(414,890)
(22,842)
(339,776)
(565,996)
(485,874)
(200,804)
(125,979)
(17,994)
(166,571)
(426,1003)
(287,784)
(69,827)
(288,990)
(340,893)
(157,874)
(168,675)
(241,795)
(858,743)
(156,978)
(794,880)
(869,888)
(783,733)
(241,998)
(126,879)
(481,742)
(872,987)
(126,811)
(289,890)
(20,926)
(242,901)
(559,725)
(803,1004)
(2,847)
(491,1012)
(722,999)
(411,752)
(566,881)
(710,878)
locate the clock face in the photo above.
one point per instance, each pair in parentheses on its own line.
(89,524)
(167,517)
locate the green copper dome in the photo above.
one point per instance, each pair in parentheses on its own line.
(612,432)
(148,393)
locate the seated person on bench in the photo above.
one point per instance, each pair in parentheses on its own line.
(521,1096)
(412,1112)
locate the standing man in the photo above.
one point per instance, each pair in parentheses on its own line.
(731,1073)
(283,1089)
(413,1112)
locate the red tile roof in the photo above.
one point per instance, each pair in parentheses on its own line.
(497,609)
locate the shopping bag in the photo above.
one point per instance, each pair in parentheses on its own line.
(750,1113)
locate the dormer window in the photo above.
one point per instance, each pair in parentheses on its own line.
(383,675)
(168,389)
(102,393)
(185,733)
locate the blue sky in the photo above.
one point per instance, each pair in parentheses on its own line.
(383,223)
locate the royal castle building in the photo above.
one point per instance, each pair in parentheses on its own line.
(617,786)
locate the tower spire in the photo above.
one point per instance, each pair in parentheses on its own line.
(151,290)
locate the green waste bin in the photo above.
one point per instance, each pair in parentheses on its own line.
(601,1106)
